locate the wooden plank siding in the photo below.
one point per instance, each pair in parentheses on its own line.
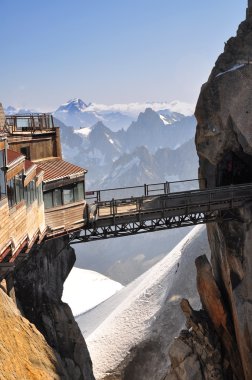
(65,218)
(20,223)
(42,146)
(35,220)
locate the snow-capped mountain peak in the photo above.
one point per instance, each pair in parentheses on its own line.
(73,105)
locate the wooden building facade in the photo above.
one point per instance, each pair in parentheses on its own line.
(22,219)
(41,195)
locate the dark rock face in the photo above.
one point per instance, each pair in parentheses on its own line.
(224,145)
(39,285)
(196,353)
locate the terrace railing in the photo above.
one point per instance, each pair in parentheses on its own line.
(29,123)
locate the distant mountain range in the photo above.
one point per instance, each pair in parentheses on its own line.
(118,116)
(127,144)
(78,114)
(148,151)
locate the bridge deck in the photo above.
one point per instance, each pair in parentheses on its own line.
(122,217)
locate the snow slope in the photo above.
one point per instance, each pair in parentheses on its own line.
(145,313)
(84,289)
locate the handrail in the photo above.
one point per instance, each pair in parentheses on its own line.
(29,122)
(211,197)
(147,188)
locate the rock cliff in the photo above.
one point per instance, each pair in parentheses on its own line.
(24,353)
(38,283)
(224,145)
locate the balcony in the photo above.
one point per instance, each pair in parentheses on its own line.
(29,123)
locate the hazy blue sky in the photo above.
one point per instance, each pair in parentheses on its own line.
(110,50)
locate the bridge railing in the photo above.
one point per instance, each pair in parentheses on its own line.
(162,188)
(224,197)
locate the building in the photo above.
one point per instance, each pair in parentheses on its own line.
(41,195)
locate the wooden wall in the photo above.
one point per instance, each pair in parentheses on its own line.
(65,218)
(20,223)
(42,145)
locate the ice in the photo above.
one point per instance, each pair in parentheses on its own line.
(234,68)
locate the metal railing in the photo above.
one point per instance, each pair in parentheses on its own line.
(187,200)
(162,188)
(29,123)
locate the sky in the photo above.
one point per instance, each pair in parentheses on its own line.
(110,51)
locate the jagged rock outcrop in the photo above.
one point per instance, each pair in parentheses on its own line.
(24,353)
(38,284)
(208,349)
(224,145)
(196,353)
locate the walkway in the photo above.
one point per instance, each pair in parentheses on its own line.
(138,214)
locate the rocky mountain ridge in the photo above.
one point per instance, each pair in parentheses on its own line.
(103,151)
(79,114)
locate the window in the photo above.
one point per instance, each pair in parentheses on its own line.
(68,195)
(48,199)
(40,194)
(19,189)
(2,175)
(79,191)
(30,193)
(11,192)
(64,195)
(57,197)
(26,152)
(15,190)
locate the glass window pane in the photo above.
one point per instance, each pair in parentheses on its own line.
(48,199)
(68,196)
(40,194)
(79,192)
(11,192)
(18,189)
(57,200)
(33,191)
(2,176)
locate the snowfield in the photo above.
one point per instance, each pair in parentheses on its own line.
(147,310)
(85,289)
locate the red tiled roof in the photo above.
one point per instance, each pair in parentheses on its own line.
(28,165)
(13,156)
(59,169)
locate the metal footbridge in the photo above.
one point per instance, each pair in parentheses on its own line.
(160,206)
